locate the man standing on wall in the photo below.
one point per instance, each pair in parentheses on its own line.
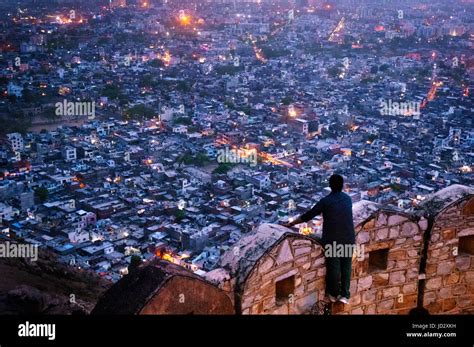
(338,229)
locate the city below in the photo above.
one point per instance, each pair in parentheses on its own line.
(137,132)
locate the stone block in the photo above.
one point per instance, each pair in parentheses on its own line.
(396,219)
(409,288)
(385,305)
(453,278)
(409,229)
(364,283)
(434,283)
(463,262)
(380,279)
(397,277)
(362,237)
(390,292)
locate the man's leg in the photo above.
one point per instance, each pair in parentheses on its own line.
(346,269)
(333,275)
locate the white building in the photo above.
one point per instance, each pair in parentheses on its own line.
(69,153)
(16,141)
(180,129)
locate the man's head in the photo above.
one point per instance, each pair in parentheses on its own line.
(336,182)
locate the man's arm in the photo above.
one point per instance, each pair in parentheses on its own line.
(317,209)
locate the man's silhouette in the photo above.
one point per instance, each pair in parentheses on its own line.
(338,229)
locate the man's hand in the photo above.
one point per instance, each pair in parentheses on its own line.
(291,224)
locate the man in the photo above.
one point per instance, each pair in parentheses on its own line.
(338,229)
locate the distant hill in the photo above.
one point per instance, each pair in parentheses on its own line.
(47,287)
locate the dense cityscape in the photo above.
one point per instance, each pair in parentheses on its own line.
(134,130)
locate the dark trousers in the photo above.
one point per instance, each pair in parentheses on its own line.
(338,276)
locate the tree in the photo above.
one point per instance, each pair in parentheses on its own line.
(287,100)
(41,193)
(135,262)
(139,111)
(222,168)
(334,71)
(179,215)
(111,91)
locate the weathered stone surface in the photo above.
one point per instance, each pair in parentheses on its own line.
(397,277)
(453,278)
(463,262)
(318,262)
(369,224)
(396,219)
(310,276)
(397,254)
(431,268)
(381,234)
(412,273)
(363,237)
(302,260)
(423,223)
(469,277)
(316,252)
(353,286)
(300,243)
(306,266)
(409,229)
(435,237)
(408,301)
(434,283)
(466,232)
(429,297)
(266,265)
(448,234)
(459,289)
(409,288)
(381,220)
(277,271)
(394,232)
(368,297)
(380,279)
(306,302)
(465,301)
(386,304)
(302,250)
(370,309)
(391,292)
(284,253)
(355,300)
(364,283)
(468,209)
(322,272)
(449,304)
(445,292)
(358,310)
(286,275)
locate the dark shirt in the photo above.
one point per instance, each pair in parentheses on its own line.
(338,225)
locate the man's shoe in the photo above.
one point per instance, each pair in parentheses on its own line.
(344,300)
(332,298)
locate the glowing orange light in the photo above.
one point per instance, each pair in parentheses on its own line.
(184,18)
